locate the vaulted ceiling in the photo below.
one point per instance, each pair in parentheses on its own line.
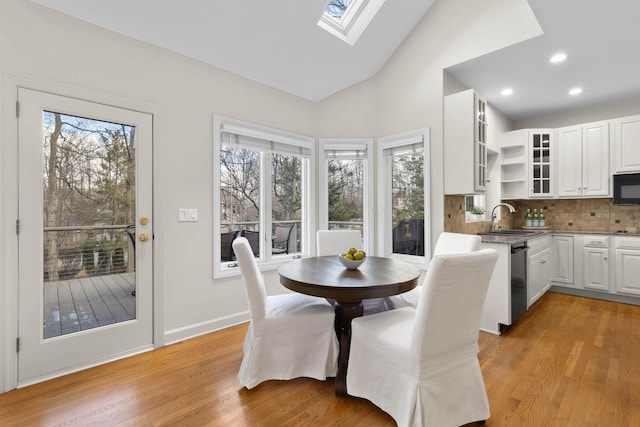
(278,43)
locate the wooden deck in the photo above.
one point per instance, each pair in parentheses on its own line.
(80,304)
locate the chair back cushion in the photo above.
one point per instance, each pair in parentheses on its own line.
(253,281)
(335,242)
(449,243)
(450,305)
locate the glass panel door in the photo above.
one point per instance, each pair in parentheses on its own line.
(85,243)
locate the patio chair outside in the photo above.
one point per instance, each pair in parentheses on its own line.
(226,249)
(254,240)
(282,233)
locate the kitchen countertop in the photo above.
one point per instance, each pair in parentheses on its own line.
(512,240)
(607,233)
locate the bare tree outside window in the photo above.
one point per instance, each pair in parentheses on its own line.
(240,199)
(88,180)
(346,193)
(407,194)
(286,187)
(239,186)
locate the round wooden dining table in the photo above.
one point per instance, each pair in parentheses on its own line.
(326,277)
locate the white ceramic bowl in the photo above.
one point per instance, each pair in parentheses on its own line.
(351,264)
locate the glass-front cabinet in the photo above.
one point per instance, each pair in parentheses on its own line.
(465,143)
(540,150)
(480,144)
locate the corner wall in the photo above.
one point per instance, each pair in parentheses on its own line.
(408,92)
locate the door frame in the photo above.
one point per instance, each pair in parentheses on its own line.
(8,214)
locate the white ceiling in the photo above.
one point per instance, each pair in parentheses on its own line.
(275,42)
(278,43)
(602,40)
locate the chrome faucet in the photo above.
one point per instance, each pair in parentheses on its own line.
(494,223)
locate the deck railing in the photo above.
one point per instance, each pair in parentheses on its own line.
(83,251)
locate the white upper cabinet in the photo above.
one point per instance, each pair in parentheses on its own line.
(465,143)
(625,133)
(583,160)
(540,163)
(569,161)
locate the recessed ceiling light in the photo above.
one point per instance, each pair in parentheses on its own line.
(506,92)
(558,57)
(575,91)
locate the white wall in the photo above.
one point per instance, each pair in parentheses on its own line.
(407,94)
(36,42)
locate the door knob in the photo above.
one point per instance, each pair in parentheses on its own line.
(144,237)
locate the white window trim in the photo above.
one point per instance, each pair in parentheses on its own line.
(384,208)
(266,260)
(355,20)
(327,144)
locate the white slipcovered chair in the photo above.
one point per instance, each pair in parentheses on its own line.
(335,242)
(290,335)
(421,365)
(448,243)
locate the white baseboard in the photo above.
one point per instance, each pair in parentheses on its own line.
(180,334)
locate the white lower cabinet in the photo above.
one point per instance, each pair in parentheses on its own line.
(627,253)
(596,269)
(539,280)
(562,260)
(595,262)
(539,268)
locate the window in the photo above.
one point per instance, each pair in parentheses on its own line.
(346,190)
(262,192)
(475,207)
(403,184)
(347,19)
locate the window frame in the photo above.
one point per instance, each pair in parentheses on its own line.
(348,144)
(266,261)
(385,231)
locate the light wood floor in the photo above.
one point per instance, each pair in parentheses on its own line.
(570,361)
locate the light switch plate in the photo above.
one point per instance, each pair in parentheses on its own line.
(187,215)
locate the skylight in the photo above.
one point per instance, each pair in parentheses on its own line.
(347,19)
(337,8)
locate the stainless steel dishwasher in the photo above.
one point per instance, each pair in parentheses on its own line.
(518,280)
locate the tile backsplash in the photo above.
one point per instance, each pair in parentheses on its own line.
(560,214)
(454,217)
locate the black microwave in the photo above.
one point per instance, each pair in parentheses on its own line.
(626,189)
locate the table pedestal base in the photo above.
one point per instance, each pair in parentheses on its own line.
(345,313)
